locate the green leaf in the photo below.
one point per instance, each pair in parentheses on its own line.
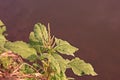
(80,68)
(33,38)
(40,32)
(32,58)
(62,62)
(43,30)
(1,23)
(64,47)
(53,62)
(5,62)
(2,30)
(27,69)
(2,37)
(20,48)
(38,37)
(58,65)
(62,76)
